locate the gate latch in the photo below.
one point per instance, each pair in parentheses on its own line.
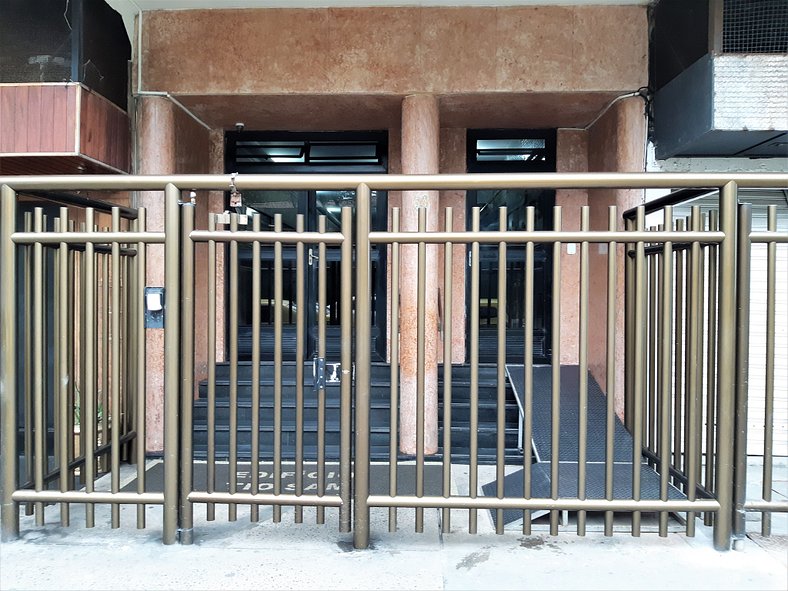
(319,373)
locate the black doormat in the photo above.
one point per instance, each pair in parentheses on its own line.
(378,478)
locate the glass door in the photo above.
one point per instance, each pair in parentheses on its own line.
(516,201)
(312,204)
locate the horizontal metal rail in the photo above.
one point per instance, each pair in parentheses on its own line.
(75,496)
(398,182)
(87,237)
(626,505)
(517,237)
(267,237)
(264,499)
(768,237)
(766,506)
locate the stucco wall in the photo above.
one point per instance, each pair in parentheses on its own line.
(616,143)
(170,142)
(395,50)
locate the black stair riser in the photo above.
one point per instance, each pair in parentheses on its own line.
(377,392)
(377,454)
(460,438)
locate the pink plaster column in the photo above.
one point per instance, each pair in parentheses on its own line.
(420,155)
(156,155)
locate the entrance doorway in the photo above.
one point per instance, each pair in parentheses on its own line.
(306,153)
(512,151)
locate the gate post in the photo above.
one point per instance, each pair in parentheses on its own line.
(726,367)
(742,369)
(186,303)
(9,512)
(363,319)
(171,363)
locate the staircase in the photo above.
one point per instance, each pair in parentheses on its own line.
(379,415)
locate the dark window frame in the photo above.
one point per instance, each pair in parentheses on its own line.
(475,165)
(323,138)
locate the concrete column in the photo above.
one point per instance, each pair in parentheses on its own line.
(420,155)
(156,155)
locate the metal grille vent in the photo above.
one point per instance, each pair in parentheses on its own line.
(755,26)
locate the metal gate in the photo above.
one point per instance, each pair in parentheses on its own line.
(90,353)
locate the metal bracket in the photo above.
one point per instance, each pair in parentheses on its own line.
(235,195)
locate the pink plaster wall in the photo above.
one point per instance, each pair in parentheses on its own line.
(169,142)
(419,155)
(615,144)
(452,160)
(571,156)
(402,50)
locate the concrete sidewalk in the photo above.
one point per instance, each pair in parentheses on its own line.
(242,555)
(265,555)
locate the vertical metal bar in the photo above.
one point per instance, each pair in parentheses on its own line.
(742,368)
(500,423)
(140,368)
(73,303)
(421,284)
(694,363)
(583,360)
(666,366)
(639,383)
(555,361)
(679,360)
(363,318)
(299,368)
(9,511)
(172,344)
(64,429)
(27,361)
(394,372)
(320,512)
(711,363)
(447,342)
(726,367)
(210,472)
(768,433)
(610,366)
(345,408)
(473,476)
(651,410)
(629,328)
(87,414)
(688,319)
(528,369)
(115,361)
(39,421)
(105,361)
(277,511)
(232,509)
(187,371)
(254,509)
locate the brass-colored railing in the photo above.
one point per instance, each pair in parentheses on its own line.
(683,360)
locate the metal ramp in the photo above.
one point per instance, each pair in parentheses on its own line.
(540,444)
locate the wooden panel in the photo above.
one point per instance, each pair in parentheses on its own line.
(7,127)
(20,119)
(47,115)
(104,131)
(34,118)
(45,119)
(60,132)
